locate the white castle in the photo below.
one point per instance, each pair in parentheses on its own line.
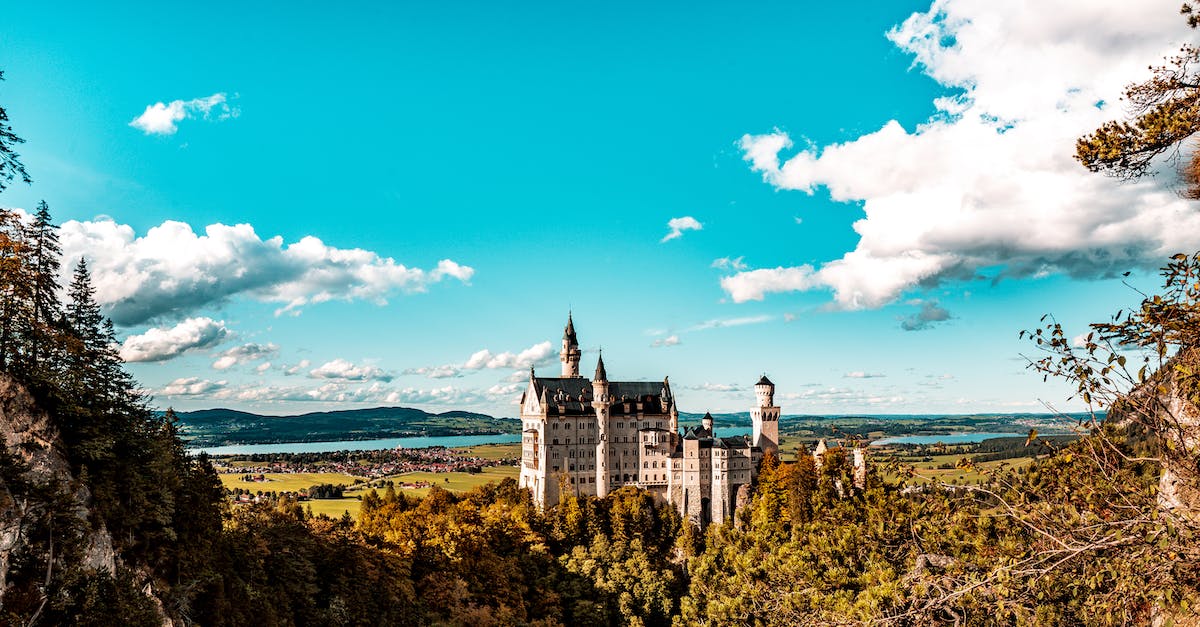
(592,437)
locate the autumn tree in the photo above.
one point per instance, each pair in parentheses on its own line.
(1164,114)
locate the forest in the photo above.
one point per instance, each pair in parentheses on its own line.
(1103,529)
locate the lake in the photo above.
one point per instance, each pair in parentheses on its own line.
(956,438)
(449,441)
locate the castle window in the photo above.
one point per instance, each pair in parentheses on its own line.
(658,424)
(645,464)
(568,440)
(556,426)
(556,469)
(620,425)
(556,440)
(572,467)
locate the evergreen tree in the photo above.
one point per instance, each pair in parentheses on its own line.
(45,262)
(10,161)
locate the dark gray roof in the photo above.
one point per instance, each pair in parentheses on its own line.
(764,381)
(578,391)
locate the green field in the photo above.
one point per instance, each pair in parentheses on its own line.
(456,481)
(452,481)
(927,472)
(286,482)
(495,451)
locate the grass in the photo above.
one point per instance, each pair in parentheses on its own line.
(334,508)
(495,451)
(286,482)
(456,481)
(929,471)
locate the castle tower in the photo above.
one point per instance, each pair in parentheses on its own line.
(601,402)
(765,417)
(860,468)
(570,350)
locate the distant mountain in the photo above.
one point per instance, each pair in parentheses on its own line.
(217,427)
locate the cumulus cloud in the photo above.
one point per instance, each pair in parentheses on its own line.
(670,340)
(988,184)
(191,386)
(930,314)
(678,225)
(163,119)
(243,354)
(172,271)
(755,284)
(536,355)
(858,374)
(161,344)
(346,371)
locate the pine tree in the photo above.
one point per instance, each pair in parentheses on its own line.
(10,161)
(45,262)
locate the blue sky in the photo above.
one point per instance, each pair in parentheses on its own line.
(884,194)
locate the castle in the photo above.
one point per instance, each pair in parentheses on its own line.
(592,437)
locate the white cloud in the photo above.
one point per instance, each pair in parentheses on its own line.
(718,323)
(670,340)
(161,344)
(447,371)
(679,225)
(297,368)
(755,284)
(340,392)
(172,271)
(989,182)
(346,371)
(716,387)
(731,264)
(162,119)
(191,386)
(243,354)
(538,354)
(263,367)
(858,374)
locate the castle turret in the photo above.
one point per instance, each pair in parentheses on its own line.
(765,417)
(570,350)
(707,423)
(601,401)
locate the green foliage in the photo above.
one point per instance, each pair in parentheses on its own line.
(10,162)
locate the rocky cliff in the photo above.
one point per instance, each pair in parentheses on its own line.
(37,485)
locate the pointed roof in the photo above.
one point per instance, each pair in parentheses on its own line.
(765,381)
(569,332)
(601,375)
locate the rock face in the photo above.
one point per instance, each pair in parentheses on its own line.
(30,436)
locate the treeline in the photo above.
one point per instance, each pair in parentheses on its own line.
(326,491)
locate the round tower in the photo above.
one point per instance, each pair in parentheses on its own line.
(765,417)
(601,401)
(570,350)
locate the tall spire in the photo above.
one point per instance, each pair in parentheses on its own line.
(570,354)
(601,375)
